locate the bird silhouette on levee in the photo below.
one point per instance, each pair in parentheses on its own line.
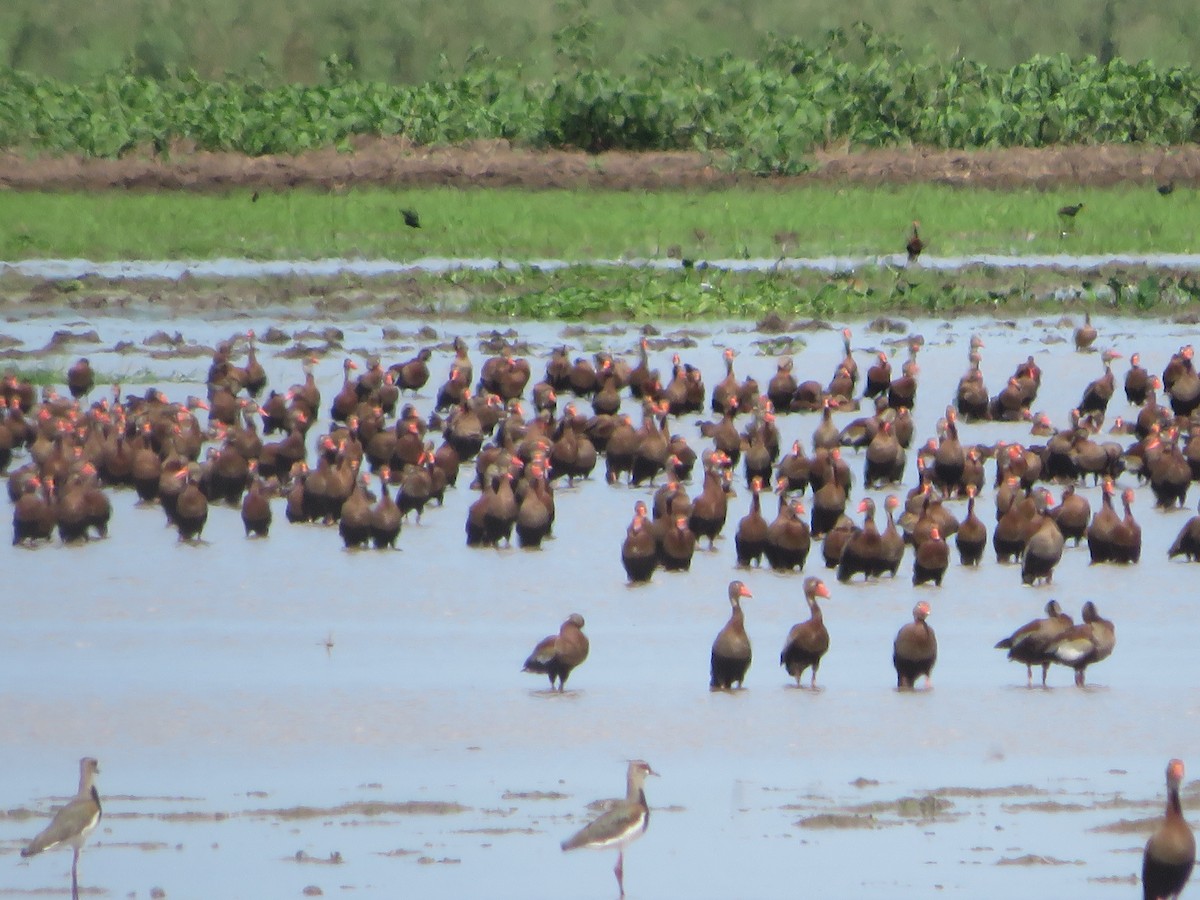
(915,245)
(915,650)
(1170,853)
(731,649)
(73,823)
(557,655)
(1030,643)
(622,823)
(808,641)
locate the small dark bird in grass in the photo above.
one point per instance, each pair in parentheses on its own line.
(1166,188)
(1070,212)
(411,219)
(915,245)
(254,197)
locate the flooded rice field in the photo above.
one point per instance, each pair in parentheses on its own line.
(283,717)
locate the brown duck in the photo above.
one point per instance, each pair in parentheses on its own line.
(731,649)
(557,656)
(808,641)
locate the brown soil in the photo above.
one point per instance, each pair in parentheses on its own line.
(395,162)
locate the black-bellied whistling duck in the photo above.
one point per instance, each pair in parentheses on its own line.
(1187,543)
(788,537)
(295,508)
(829,501)
(652,451)
(863,552)
(1137,381)
(757,459)
(607,399)
(80,378)
(464,429)
(879,377)
(582,377)
(731,649)
(903,390)
(848,363)
(69,512)
(782,386)
(452,391)
(385,518)
(413,374)
(1010,404)
(891,540)
(750,539)
(639,550)
(971,398)
(915,245)
(859,432)
(33,515)
(1029,644)
(1073,514)
(477,511)
(884,460)
(191,507)
(808,641)
(253,376)
(677,546)
(534,517)
(1184,389)
(557,656)
(1103,526)
(1170,474)
(1097,394)
(620,449)
(835,540)
(500,514)
(724,434)
(710,507)
(794,468)
(1089,642)
(931,559)
(1043,551)
(1085,334)
(914,651)
(96,504)
(1170,853)
(623,821)
(639,375)
(826,435)
(354,523)
(841,386)
(346,399)
(256,506)
(727,388)
(971,538)
(1127,536)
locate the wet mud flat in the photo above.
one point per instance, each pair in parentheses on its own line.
(281,715)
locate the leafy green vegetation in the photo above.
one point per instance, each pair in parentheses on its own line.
(763,113)
(78,40)
(761,222)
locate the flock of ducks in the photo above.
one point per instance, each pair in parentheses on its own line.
(77,451)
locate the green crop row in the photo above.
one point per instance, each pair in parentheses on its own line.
(765,114)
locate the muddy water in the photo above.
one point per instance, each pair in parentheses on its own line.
(280,714)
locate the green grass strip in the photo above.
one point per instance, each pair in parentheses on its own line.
(581,225)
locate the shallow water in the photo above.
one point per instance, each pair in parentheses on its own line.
(135,270)
(199,676)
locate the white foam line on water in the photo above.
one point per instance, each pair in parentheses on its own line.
(60,269)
